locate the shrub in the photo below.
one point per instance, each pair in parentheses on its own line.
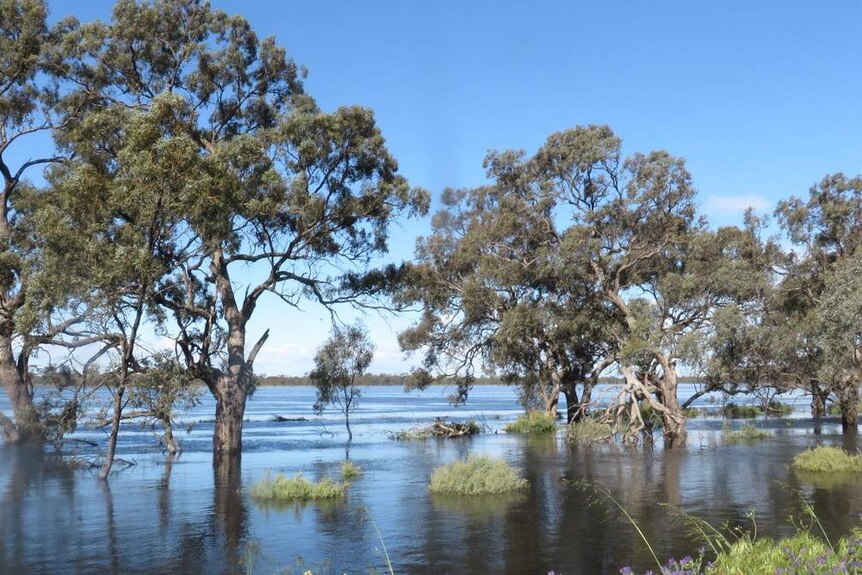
(778,408)
(350,469)
(296,488)
(738,411)
(439,429)
(533,422)
(589,430)
(476,475)
(748,433)
(827,460)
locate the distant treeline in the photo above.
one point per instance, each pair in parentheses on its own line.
(399,379)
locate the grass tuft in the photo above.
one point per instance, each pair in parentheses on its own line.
(297,488)
(476,475)
(533,422)
(827,460)
(350,470)
(748,433)
(588,430)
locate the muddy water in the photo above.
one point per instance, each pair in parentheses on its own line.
(166,516)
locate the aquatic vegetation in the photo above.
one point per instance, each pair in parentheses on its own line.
(476,475)
(533,422)
(297,488)
(735,411)
(350,470)
(775,407)
(802,554)
(589,430)
(827,460)
(748,433)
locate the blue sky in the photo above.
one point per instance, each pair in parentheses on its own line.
(761,98)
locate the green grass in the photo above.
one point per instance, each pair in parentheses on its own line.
(533,422)
(296,488)
(827,460)
(748,433)
(589,430)
(350,470)
(476,475)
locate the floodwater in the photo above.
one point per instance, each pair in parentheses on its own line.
(165,515)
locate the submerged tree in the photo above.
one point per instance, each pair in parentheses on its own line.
(33,102)
(827,228)
(270,194)
(339,361)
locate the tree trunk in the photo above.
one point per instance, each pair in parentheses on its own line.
(347,424)
(230,410)
(27,427)
(848,404)
(818,401)
(573,406)
(115,432)
(674,418)
(552,398)
(169,439)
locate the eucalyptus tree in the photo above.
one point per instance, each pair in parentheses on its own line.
(496,295)
(342,358)
(826,229)
(33,102)
(271,195)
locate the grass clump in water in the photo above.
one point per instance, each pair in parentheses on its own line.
(350,470)
(533,422)
(589,430)
(748,433)
(297,488)
(476,475)
(827,460)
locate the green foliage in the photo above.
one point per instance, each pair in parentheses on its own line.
(748,433)
(827,460)
(349,470)
(533,422)
(476,475)
(835,409)
(589,430)
(775,407)
(296,488)
(342,358)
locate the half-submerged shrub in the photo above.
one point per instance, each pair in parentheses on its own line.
(748,433)
(350,470)
(775,407)
(296,488)
(738,411)
(439,429)
(589,430)
(533,422)
(476,475)
(827,460)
